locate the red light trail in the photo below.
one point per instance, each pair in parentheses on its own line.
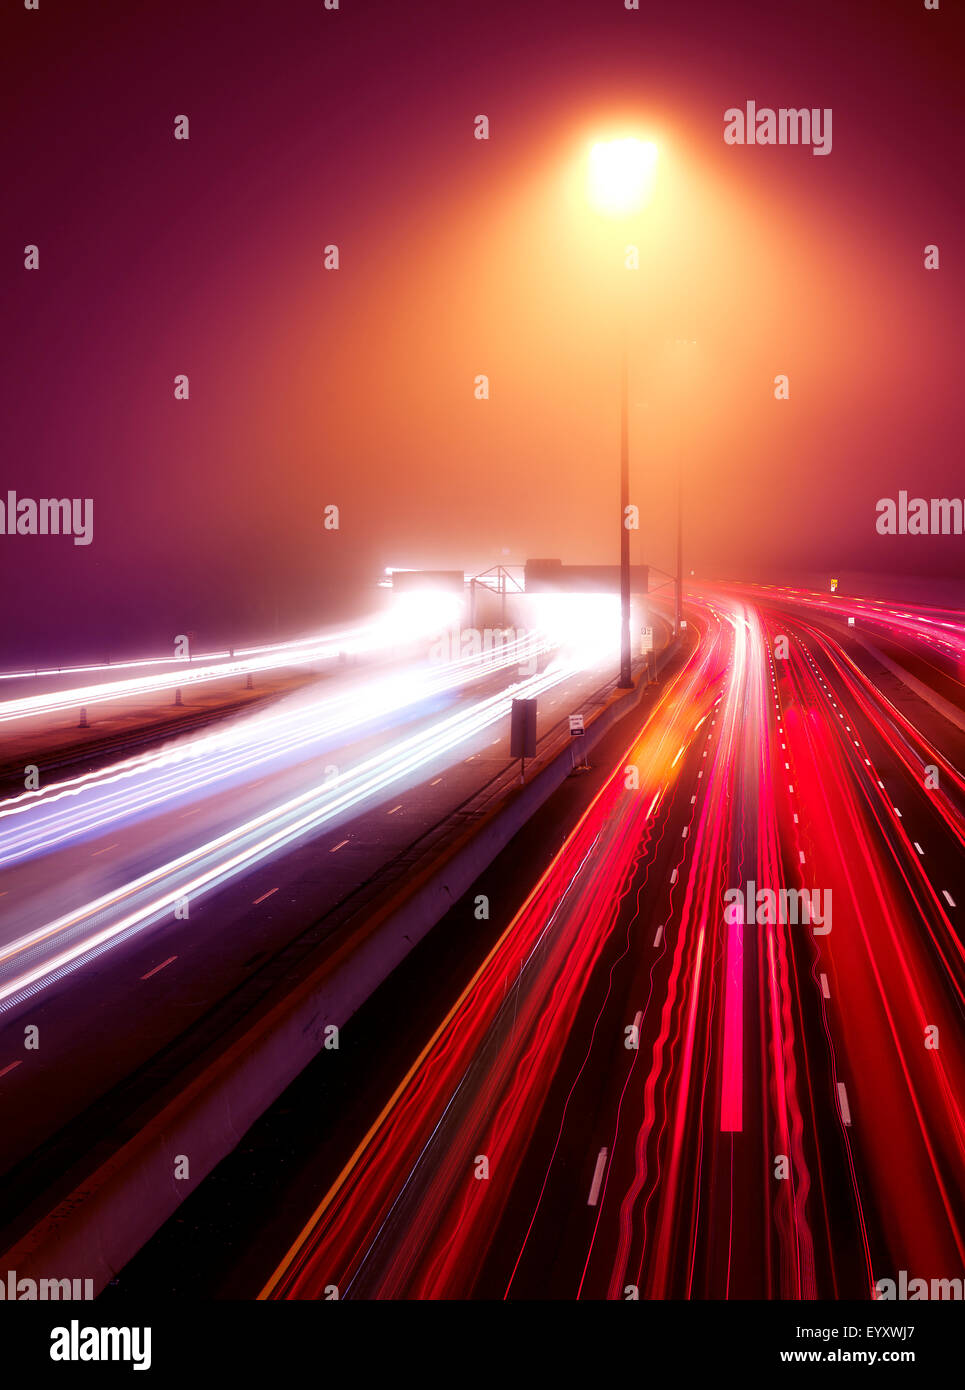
(782,1127)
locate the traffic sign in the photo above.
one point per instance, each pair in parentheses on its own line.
(576,726)
(646,639)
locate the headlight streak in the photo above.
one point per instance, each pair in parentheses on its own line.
(248,844)
(144,783)
(405,623)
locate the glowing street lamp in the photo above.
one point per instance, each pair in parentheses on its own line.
(621,175)
(621,179)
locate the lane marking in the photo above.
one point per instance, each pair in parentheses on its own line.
(158,967)
(103,851)
(264,896)
(656,939)
(843,1103)
(597,1178)
(396,808)
(338,846)
(948,897)
(824,987)
(10,1067)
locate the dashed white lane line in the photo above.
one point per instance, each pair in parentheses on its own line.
(658,937)
(436,782)
(264,896)
(395,808)
(10,1068)
(948,897)
(673,876)
(338,846)
(843,1103)
(158,967)
(597,1183)
(824,986)
(104,850)
(801,854)
(918,847)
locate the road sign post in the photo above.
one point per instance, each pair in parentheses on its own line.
(646,648)
(577,731)
(522,733)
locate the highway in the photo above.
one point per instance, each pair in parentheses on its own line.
(136,896)
(655,1087)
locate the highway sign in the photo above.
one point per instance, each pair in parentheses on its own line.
(576,726)
(646,639)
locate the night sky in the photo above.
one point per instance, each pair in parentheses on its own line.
(460,257)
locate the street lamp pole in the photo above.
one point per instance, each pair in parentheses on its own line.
(626,678)
(621,174)
(678,606)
